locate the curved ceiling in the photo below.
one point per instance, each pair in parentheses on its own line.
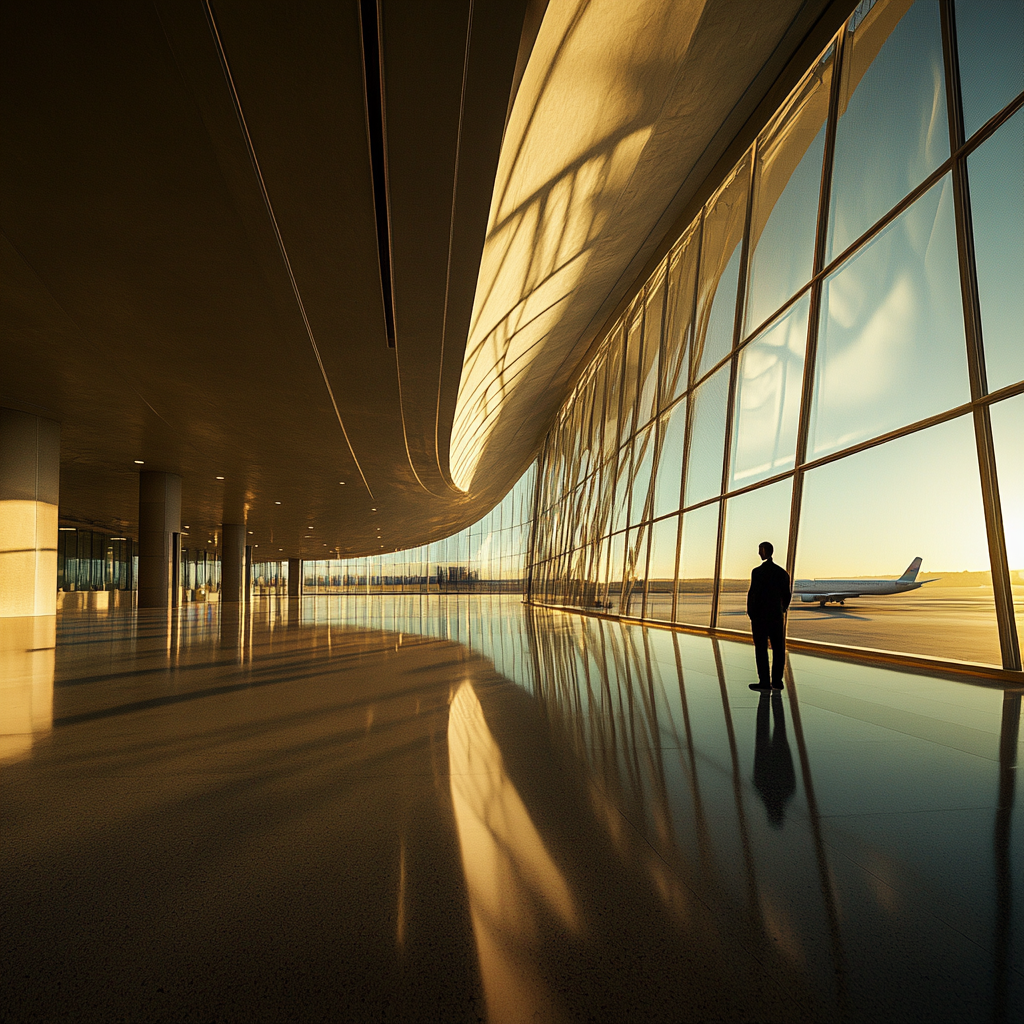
(189,266)
(622,112)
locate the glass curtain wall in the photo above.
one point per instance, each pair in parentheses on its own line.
(831,358)
(489,557)
(90,560)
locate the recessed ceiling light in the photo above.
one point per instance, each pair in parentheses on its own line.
(342,482)
(220,478)
(250,533)
(67,528)
(277,503)
(140,462)
(186,527)
(118,538)
(280,549)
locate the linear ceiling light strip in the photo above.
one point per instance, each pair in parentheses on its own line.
(448,269)
(225,67)
(373,87)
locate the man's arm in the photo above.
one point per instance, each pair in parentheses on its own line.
(787,590)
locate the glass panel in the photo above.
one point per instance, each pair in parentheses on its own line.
(996,175)
(632,372)
(697,565)
(707,438)
(661,569)
(785,210)
(634,574)
(864,518)
(769,382)
(892,130)
(990,43)
(647,406)
(643,459)
(617,546)
(1008,435)
(612,392)
(620,505)
(891,348)
(675,364)
(719,270)
(669,465)
(750,519)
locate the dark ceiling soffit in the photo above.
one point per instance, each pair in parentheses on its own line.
(373,87)
(535,11)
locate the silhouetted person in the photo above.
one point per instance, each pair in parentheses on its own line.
(774,777)
(767,603)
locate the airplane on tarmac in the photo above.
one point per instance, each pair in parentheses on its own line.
(823,591)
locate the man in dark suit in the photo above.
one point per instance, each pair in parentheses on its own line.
(767,604)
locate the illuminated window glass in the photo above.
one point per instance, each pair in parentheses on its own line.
(631,371)
(661,569)
(1008,436)
(996,174)
(613,388)
(634,572)
(750,518)
(769,380)
(990,43)
(643,460)
(697,565)
(892,130)
(719,270)
(647,406)
(616,557)
(675,364)
(669,465)
(868,517)
(707,438)
(891,347)
(786,189)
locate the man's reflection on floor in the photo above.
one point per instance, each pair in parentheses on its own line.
(774,776)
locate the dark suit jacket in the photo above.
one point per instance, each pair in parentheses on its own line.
(769,594)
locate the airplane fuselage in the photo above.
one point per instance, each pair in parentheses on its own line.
(824,591)
(836,590)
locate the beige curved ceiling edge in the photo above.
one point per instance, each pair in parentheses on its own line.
(617,106)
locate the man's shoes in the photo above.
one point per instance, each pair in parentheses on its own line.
(761,687)
(780,685)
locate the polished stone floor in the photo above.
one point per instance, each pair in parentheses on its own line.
(458,809)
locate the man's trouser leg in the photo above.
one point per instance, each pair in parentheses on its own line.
(760,632)
(777,635)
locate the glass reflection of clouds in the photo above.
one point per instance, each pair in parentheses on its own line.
(891,349)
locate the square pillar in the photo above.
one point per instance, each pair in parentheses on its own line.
(159,530)
(29,486)
(295,577)
(232,564)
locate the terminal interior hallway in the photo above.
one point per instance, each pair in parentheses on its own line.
(459,808)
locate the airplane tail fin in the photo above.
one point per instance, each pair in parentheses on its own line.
(911,572)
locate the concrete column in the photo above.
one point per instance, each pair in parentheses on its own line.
(294,577)
(159,522)
(232,563)
(29,483)
(247,580)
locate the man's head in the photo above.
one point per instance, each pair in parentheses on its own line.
(765,549)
